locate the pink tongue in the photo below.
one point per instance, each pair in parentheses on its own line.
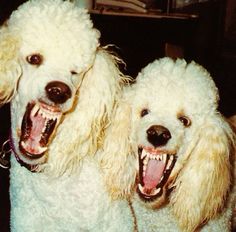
(33,142)
(153,173)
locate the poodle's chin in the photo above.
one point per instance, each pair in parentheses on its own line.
(155,166)
(39,123)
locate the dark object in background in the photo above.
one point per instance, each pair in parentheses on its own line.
(6,8)
(4,173)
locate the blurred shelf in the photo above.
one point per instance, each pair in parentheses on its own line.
(151,14)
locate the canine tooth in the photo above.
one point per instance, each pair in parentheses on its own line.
(164,156)
(156,191)
(34,110)
(23,144)
(143,154)
(169,163)
(42,149)
(140,187)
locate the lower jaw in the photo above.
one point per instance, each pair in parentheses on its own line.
(149,197)
(154,203)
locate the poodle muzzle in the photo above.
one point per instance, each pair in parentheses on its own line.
(155,163)
(41,119)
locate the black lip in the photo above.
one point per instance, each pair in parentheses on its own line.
(26,123)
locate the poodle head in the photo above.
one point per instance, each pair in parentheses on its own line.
(48,57)
(172,100)
(181,142)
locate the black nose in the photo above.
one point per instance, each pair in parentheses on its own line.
(58,92)
(158,135)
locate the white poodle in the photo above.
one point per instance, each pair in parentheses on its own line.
(62,87)
(168,134)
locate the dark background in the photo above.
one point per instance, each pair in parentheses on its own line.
(210,40)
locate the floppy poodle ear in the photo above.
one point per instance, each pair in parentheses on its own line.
(117,160)
(202,185)
(9,67)
(98,93)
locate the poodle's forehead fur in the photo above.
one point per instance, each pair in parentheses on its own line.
(39,24)
(175,86)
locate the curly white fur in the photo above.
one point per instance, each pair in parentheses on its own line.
(62,87)
(199,193)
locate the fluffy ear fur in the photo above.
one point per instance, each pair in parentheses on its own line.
(10,69)
(97,95)
(117,161)
(202,185)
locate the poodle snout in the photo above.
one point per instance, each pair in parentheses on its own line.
(58,92)
(158,135)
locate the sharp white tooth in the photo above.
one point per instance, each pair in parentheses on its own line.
(164,156)
(145,161)
(44,127)
(160,157)
(161,179)
(169,164)
(140,187)
(42,149)
(53,117)
(23,144)
(156,191)
(35,110)
(143,154)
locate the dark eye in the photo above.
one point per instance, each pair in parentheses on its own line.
(73,72)
(35,59)
(185,120)
(144,112)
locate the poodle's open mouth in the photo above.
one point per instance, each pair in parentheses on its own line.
(154,170)
(38,124)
